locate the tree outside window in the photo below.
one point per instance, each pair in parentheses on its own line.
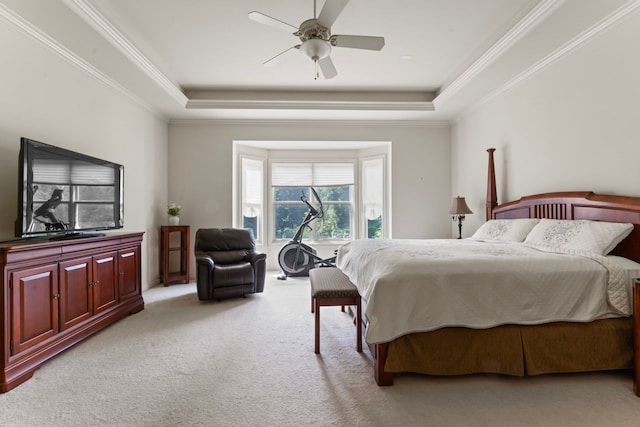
(338,206)
(290,211)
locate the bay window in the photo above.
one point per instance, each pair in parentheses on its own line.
(353,185)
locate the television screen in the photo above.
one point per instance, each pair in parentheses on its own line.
(65,193)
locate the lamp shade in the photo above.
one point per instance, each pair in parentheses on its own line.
(459,207)
(316,49)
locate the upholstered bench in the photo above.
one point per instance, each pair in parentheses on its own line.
(331,287)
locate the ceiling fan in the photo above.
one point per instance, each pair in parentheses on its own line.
(317,39)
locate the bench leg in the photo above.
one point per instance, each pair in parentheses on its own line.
(359,324)
(316,307)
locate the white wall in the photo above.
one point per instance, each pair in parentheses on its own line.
(200,175)
(575,125)
(46,98)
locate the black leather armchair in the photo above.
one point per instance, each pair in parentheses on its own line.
(227,263)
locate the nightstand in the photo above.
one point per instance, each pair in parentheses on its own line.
(174,253)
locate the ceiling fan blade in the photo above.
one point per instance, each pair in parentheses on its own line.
(327,68)
(358,42)
(281,56)
(272,22)
(330,12)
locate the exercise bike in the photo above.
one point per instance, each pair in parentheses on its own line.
(297,258)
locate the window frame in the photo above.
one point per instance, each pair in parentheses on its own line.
(311,159)
(260,150)
(312,236)
(386,202)
(238,206)
(72,201)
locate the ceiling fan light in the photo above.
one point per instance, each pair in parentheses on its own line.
(316,49)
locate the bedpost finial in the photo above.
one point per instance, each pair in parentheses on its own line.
(492,194)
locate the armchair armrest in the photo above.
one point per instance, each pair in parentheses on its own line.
(205,260)
(204,276)
(254,257)
(259,262)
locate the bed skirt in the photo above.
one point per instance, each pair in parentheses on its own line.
(516,350)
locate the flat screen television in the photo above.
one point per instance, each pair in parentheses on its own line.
(64,194)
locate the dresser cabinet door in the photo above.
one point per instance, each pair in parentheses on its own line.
(75,292)
(105,274)
(129,273)
(34,306)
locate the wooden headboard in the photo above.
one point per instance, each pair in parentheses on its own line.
(571,205)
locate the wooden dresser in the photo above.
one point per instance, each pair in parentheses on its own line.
(57,293)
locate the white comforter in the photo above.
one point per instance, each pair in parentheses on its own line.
(422,285)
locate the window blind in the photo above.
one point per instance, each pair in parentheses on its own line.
(373,184)
(311,174)
(50,171)
(291,174)
(251,187)
(71,172)
(332,174)
(88,173)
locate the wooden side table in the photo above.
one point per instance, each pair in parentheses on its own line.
(181,252)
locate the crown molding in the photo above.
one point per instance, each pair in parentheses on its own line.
(36,34)
(540,12)
(85,10)
(309,105)
(97,21)
(595,30)
(306,123)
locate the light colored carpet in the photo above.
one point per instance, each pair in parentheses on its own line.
(250,362)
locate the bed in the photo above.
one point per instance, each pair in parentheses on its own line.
(594,337)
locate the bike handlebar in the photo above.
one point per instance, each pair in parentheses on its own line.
(319,213)
(321,209)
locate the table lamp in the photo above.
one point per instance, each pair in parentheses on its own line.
(459,209)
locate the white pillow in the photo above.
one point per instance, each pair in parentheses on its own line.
(597,237)
(505,230)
